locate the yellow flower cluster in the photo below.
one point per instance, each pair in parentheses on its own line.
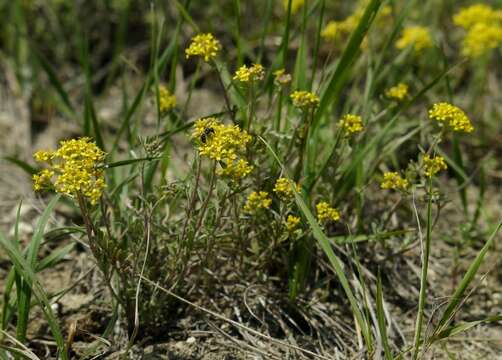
(257,201)
(223,143)
(351,124)
(331,30)
(281,78)
(416,36)
(433,165)
(295,5)
(236,169)
(398,92)
(392,180)
(219,141)
(334,29)
(304,99)
(292,223)
(283,188)
(73,169)
(167,101)
(479,13)
(451,116)
(203,45)
(483,26)
(326,212)
(253,73)
(480,39)
(343,27)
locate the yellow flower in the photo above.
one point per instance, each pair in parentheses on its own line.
(345,27)
(331,30)
(218,141)
(326,212)
(283,188)
(392,180)
(342,28)
(304,99)
(167,101)
(236,169)
(479,13)
(253,73)
(482,38)
(433,165)
(281,78)
(295,5)
(451,116)
(398,92)
(351,124)
(257,201)
(42,179)
(75,167)
(416,36)
(292,223)
(203,45)
(43,156)
(223,143)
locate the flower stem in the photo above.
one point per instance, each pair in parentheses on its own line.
(423,280)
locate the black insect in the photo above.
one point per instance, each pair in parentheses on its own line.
(205,135)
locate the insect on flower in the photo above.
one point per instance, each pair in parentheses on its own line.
(208,131)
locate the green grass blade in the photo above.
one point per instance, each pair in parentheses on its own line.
(333,259)
(343,184)
(53,78)
(337,265)
(457,296)
(138,99)
(381,320)
(6,306)
(317,43)
(130,161)
(39,231)
(24,268)
(30,170)
(24,288)
(300,73)
(55,257)
(186,16)
(96,130)
(285,36)
(460,328)
(348,56)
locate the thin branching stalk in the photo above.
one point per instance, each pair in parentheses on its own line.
(225,93)
(190,91)
(193,200)
(423,277)
(202,214)
(251,102)
(278,118)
